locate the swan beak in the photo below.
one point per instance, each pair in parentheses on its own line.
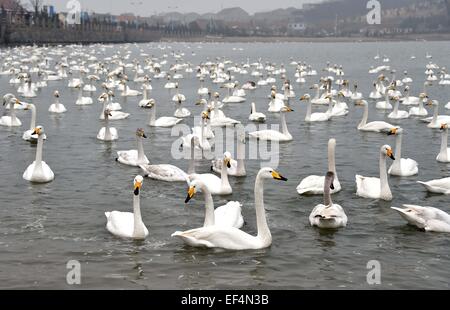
(332,186)
(277,176)
(18,102)
(393,131)
(443,126)
(390,154)
(144,136)
(190,194)
(137,187)
(227,161)
(302,98)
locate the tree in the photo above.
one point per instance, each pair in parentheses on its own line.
(36,5)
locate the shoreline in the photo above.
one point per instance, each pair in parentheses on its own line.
(255,39)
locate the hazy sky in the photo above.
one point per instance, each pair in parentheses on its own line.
(149,7)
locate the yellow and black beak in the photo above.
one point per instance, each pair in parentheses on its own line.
(190,194)
(18,102)
(36,131)
(443,126)
(390,154)
(137,187)
(393,131)
(227,162)
(332,185)
(277,176)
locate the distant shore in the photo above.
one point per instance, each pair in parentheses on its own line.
(405,38)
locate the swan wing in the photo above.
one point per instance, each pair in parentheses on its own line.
(377,126)
(165,172)
(229,215)
(120,224)
(312,185)
(367,187)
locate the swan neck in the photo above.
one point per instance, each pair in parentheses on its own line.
(284,128)
(253,108)
(327,193)
(444,142)
(33,117)
(209,207)
(261,221)
(138,230)
(240,157)
(332,160)
(191,168)
(384,190)
(365,116)
(140,149)
(224,176)
(40,143)
(152,115)
(308,111)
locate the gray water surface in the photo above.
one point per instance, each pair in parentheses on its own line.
(42,227)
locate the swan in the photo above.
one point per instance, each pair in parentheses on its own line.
(315,117)
(376,188)
(164,121)
(425,218)
(107,133)
(328,215)
(127,224)
(82,100)
(420,110)
(396,113)
(375,93)
(275,135)
(127,92)
(29,134)
(228,215)
(231,238)
(90,87)
(39,171)
(134,157)
(436,120)
(438,186)
(444,153)
(384,105)
(376,126)
(313,184)
(237,167)
(356,95)
(57,107)
(181,112)
(108,96)
(339,108)
(171,173)
(113,115)
(11,120)
(406,79)
(318,99)
(144,101)
(216,185)
(256,116)
(202,132)
(401,166)
(275,104)
(410,100)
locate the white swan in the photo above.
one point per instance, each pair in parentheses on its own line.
(164,121)
(328,215)
(127,224)
(396,113)
(29,134)
(318,99)
(127,92)
(376,188)
(237,167)
(256,116)
(171,173)
(39,171)
(315,117)
(401,166)
(216,185)
(181,112)
(231,238)
(385,105)
(113,115)
(376,126)
(425,218)
(420,110)
(228,215)
(57,107)
(438,186)
(275,104)
(11,120)
(274,135)
(436,120)
(82,100)
(314,184)
(134,157)
(444,153)
(409,100)
(107,133)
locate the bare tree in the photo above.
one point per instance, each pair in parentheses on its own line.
(36,5)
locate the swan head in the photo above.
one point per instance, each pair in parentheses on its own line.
(269,173)
(56,94)
(395,131)
(286,109)
(140,133)
(216,95)
(414,214)
(444,126)
(227,159)
(137,184)
(29,106)
(329,178)
(361,102)
(205,115)
(433,103)
(305,97)
(315,86)
(7,98)
(387,151)
(103,97)
(107,113)
(273,94)
(39,130)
